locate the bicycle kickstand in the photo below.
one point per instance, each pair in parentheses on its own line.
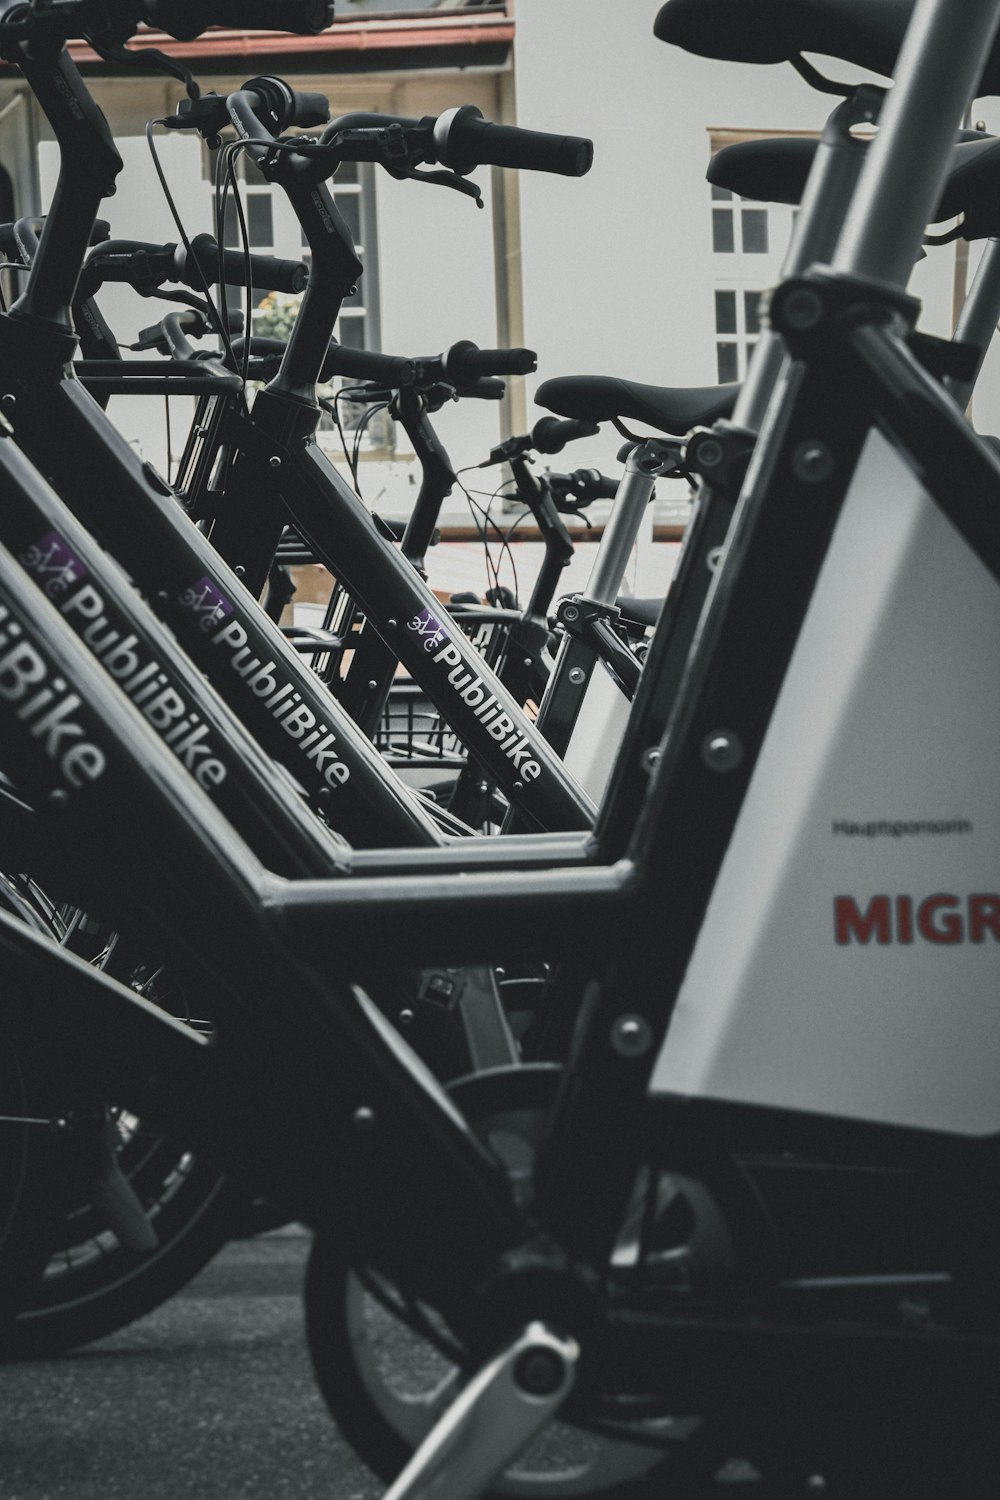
(493,1419)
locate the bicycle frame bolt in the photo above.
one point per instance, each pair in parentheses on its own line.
(58,797)
(539,1372)
(708,453)
(650,757)
(577,675)
(631,1036)
(274,461)
(802,308)
(364,1118)
(391,624)
(518,786)
(372,684)
(721,750)
(812,462)
(406,1018)
(8,399)
(240,570)
(570,612)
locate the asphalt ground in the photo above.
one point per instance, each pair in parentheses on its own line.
(210,1396)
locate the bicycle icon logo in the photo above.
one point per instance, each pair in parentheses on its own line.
(428,629)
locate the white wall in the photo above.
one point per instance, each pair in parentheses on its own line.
(619,269)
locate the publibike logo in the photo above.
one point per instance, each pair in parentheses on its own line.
(46,706)
(314,739)
(474,692)
(65,580)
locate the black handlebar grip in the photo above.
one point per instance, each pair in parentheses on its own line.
(186,19)
(551,434)
(464,362)
(363,364)
(594,485)
(485,389)
(463,140)
(268,272)
(310,109)
(279,106)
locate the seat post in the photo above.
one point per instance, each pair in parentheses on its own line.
(832,179)
(939,65)
(979,317)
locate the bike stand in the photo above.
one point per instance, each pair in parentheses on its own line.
(493,1419)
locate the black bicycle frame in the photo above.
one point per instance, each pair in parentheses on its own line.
(282,474)
(320,1081)
(608,916)
(99,604)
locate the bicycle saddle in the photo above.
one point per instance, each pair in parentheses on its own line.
(775,171)
(643,612)
(671,409)
(865,32)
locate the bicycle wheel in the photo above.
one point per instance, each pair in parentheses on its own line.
(90,1283)
(24,1160)
(387,1372)
(87,1282)
(388,1368)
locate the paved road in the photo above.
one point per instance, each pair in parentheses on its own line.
(211,1396)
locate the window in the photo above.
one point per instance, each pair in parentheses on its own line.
(736,229)
(353,191)
(272,229)
(736,327)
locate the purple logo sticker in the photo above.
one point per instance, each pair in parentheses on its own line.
(430,630)
(54,564)
(205,601)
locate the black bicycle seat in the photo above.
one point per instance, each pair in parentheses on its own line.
(643,612)
(775,170)
(865,32)
(671,409)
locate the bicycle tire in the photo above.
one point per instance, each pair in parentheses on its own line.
(384,1407)
(75,1282)
(93,1286)
(372,1409)
(22,1203)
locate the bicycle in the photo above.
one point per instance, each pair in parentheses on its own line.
(757,1345)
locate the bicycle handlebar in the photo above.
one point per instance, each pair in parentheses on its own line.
(465,363)
(571,492)
(549,435)
(187,19)
(463,140)
(147,267)
(363,364)
(269,272)
(115,21)
(459,139)
(170,335)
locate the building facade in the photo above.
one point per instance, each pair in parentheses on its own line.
(638,270)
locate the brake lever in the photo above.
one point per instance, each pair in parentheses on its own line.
(442,179)
(391,147)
